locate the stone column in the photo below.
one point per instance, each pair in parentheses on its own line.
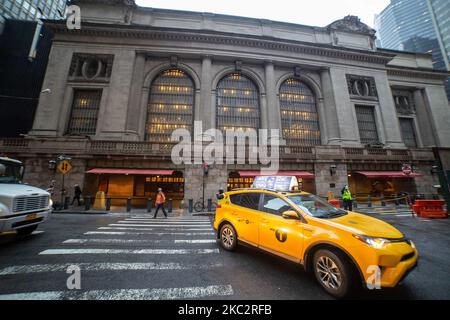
(134,102)
(205,109)
(270,113)
(324,178)
(330,111)
(423,119)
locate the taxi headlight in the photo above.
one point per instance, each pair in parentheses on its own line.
(374,242)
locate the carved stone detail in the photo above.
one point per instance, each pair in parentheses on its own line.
(404,102)
(351,24)
(361,87)
(91,67)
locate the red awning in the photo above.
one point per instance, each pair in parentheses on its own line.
(302,174)
(388,174)
(131,171)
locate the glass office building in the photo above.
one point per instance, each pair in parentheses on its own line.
(32,9)
(417,26)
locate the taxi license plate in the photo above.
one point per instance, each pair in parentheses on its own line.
(31,216)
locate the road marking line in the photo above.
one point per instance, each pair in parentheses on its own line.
(126,241)
(150,229)
(165,223)
(169,219)
(41,268)
(126,294)
(140,227)
(127,251)
(120,233)
(403,215)
(158,226)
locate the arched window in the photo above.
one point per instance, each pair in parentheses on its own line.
(299,118)
(170,106)
(237,103)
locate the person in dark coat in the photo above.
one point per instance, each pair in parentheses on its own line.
(77,195)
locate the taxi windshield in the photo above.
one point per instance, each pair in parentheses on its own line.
(316,207)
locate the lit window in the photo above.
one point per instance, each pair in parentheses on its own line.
(170,105)
(85,107)
(299,118)
(237,103)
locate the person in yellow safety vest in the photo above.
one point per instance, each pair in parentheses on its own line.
(347,199)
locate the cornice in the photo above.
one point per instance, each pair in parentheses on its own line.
(417,73)
(139,32)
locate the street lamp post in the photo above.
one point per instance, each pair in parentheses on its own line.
(205,167)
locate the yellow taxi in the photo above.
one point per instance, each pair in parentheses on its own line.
(342,248)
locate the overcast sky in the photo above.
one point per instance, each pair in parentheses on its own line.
(309,12)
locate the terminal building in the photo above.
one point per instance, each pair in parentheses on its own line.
(349,113)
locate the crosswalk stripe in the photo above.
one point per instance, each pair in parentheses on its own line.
(126,294)
(41,268)
(158,225)
(131,241)
(141,227)
(151,229)
(170,219)
(123,233)
(161,222)
(127,251)
(166,223)
(403,215)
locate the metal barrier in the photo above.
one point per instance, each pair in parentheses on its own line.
(170,206)
(191,205)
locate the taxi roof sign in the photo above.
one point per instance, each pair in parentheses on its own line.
(277,183)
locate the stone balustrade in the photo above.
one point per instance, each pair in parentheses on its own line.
(83,147)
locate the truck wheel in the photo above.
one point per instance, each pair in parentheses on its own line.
(26,231)
(228,238)
(333,273)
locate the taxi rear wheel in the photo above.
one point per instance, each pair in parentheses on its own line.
(333,273)
(228,238)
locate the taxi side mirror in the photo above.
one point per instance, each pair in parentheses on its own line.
(290,214)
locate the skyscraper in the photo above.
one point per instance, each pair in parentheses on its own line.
(417,26)
(32,9)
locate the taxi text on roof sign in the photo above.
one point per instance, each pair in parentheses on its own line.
(278,183)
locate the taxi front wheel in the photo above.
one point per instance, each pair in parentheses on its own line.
(228,238)
(333,272)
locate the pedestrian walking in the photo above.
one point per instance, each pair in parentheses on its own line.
(347,198)
(160,200)
(77,194)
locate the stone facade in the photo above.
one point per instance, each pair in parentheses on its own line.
(339,63)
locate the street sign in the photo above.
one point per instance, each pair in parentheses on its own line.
(407,169)
(64,167)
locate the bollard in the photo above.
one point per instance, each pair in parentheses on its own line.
(108,203)
(209,207)
(128,204)
(383,203)
(191,205)
(66,203)
(149,205)
(87,203)
(170,206)
(369,201)
(355,204)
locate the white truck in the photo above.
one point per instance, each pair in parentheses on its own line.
(22,207)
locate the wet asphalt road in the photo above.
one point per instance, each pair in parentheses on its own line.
(125,257)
